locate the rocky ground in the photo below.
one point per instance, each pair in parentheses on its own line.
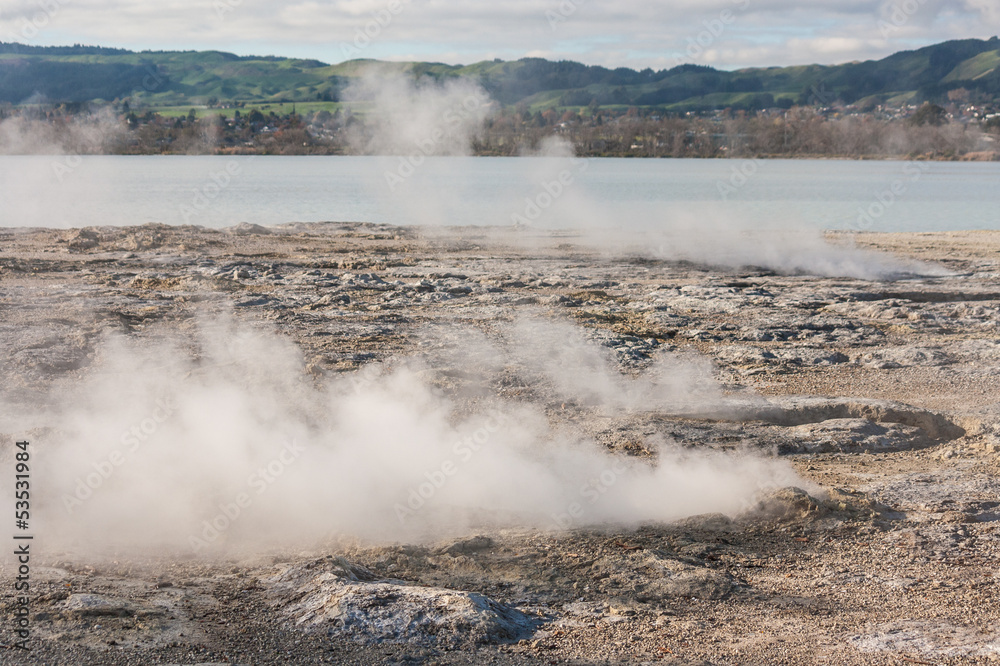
(880,394)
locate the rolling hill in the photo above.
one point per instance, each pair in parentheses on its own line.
(77,74)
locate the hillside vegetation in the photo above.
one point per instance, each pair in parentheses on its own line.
(80,74)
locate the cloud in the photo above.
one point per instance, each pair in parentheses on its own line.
(627,33)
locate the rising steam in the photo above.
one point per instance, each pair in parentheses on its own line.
(422,117)
(75,135)
(708,235)
(44,183)
(784,246)
(414,121)
(409,123)
(231,445)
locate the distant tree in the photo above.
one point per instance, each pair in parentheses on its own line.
(929,114)
(960,95)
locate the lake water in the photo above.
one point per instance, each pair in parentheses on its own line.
(70,191)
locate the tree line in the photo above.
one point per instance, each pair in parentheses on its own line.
(931,132)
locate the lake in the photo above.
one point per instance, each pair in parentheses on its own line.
(72,191)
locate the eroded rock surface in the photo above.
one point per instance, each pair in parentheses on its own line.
(881,395)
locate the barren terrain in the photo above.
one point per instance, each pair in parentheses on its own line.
(881,395)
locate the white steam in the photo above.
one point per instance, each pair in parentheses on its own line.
(50,174)
(582,371)
(418,120)
(74,135)
(705,235)
(233,446)
(413,118)
(783,246)
(410,123)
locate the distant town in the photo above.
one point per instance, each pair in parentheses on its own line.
(958,130)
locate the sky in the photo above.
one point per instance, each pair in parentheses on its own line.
(726,34)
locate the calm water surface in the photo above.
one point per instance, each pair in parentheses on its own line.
(547,192)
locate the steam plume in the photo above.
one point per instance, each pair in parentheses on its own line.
(231,445)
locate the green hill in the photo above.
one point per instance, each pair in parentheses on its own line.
(78,74)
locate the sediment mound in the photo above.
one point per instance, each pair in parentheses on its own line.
(337,597)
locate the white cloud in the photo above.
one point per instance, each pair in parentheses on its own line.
(732,33)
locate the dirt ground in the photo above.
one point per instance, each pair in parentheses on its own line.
(881,394)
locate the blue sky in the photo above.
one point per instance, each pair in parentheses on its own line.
(727,34)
